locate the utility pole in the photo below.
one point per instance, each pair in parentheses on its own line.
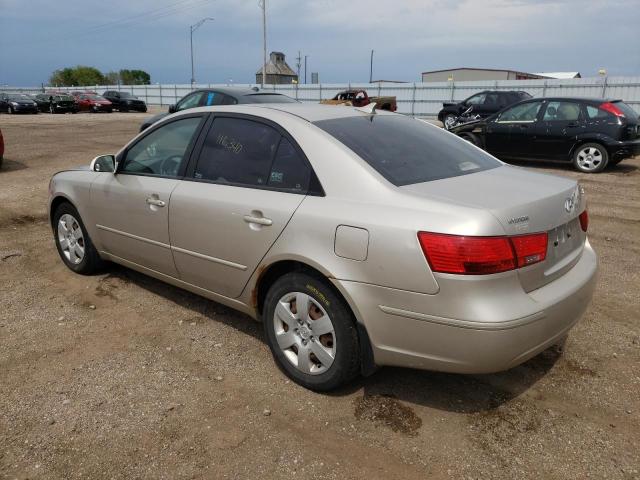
(263,5)
(298,59)
(305,69)
(192,29)
(371,68)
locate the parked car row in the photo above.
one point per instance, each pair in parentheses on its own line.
(71,102)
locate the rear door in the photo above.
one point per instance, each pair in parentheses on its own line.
(131,207)
(561,122)
(248,180)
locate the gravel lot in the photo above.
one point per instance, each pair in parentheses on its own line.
(120,376)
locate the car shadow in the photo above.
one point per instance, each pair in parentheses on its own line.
(443,391)
(11,165)
(621,168)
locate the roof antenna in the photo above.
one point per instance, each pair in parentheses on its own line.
(368,109)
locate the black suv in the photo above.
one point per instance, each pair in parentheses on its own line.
(484,104)
(591,133)
(219,96)
(124,101)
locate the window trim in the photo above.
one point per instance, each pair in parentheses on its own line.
(314,188)
(122,156)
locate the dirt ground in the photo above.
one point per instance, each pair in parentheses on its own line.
(120,376)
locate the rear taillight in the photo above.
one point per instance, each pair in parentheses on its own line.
(584,221)
(467,255)
(611,108)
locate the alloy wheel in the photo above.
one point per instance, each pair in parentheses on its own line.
(305,333)
(590,158)
(71,239)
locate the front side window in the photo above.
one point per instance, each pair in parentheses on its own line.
(238,151)
(405,150)
(477,99)
(162,151)
(191,101)
(524,112)
(562,112)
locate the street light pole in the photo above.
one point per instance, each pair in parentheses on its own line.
(263,5)
(371,68)
(192,29)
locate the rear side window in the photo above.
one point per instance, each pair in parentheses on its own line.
(407,151)
(238,151)
(596,113)
(289,170)
(562,112)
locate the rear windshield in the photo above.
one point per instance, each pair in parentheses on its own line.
(627,110)
(407,151)
(270,98)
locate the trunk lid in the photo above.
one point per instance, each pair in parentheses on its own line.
(522,202)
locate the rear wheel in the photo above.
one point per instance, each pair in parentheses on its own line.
(590,158)
(311,332)
(72,241)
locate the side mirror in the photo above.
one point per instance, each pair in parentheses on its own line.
(103,163)
(172,109)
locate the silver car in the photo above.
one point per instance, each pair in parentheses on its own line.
(359,238)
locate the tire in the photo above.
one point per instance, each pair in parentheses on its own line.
(448,120)
(590,158)
(52,110)
(338,354)
(10,110)
(1,159)
(67,222)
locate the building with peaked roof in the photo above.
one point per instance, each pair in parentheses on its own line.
(278,72)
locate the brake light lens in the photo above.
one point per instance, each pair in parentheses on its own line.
(584,221)
(468,255)
(611,108)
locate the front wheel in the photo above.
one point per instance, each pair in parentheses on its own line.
(449,120)
(311,332)
(590,158)
(72,241)
(10,110)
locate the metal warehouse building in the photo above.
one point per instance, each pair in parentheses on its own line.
(464,74)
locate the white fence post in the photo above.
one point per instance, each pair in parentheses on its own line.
(160,85)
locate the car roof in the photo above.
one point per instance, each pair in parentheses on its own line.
(237,91)
(573,99)
(311,112)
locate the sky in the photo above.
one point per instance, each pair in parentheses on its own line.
(407,36)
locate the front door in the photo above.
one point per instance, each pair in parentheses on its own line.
(510,134)
(247,182)
(555,135)
(131,207)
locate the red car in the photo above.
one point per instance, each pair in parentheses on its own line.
(89,102)
(1,147)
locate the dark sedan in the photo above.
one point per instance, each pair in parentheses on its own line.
(590,133)
(124,101)
(56,103)
(17,103)
(483,103)
(219,96)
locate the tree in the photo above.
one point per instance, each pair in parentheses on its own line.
(112,78)
(77,76)
(134,77)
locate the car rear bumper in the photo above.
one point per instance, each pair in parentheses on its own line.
(626,149)
(507,328)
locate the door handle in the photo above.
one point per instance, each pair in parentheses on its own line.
(259,220)
(155,201)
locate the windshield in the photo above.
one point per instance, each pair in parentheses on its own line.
(97,98)
(407,151)
(126,95)
(64,98)
(627,110)
(270,98)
